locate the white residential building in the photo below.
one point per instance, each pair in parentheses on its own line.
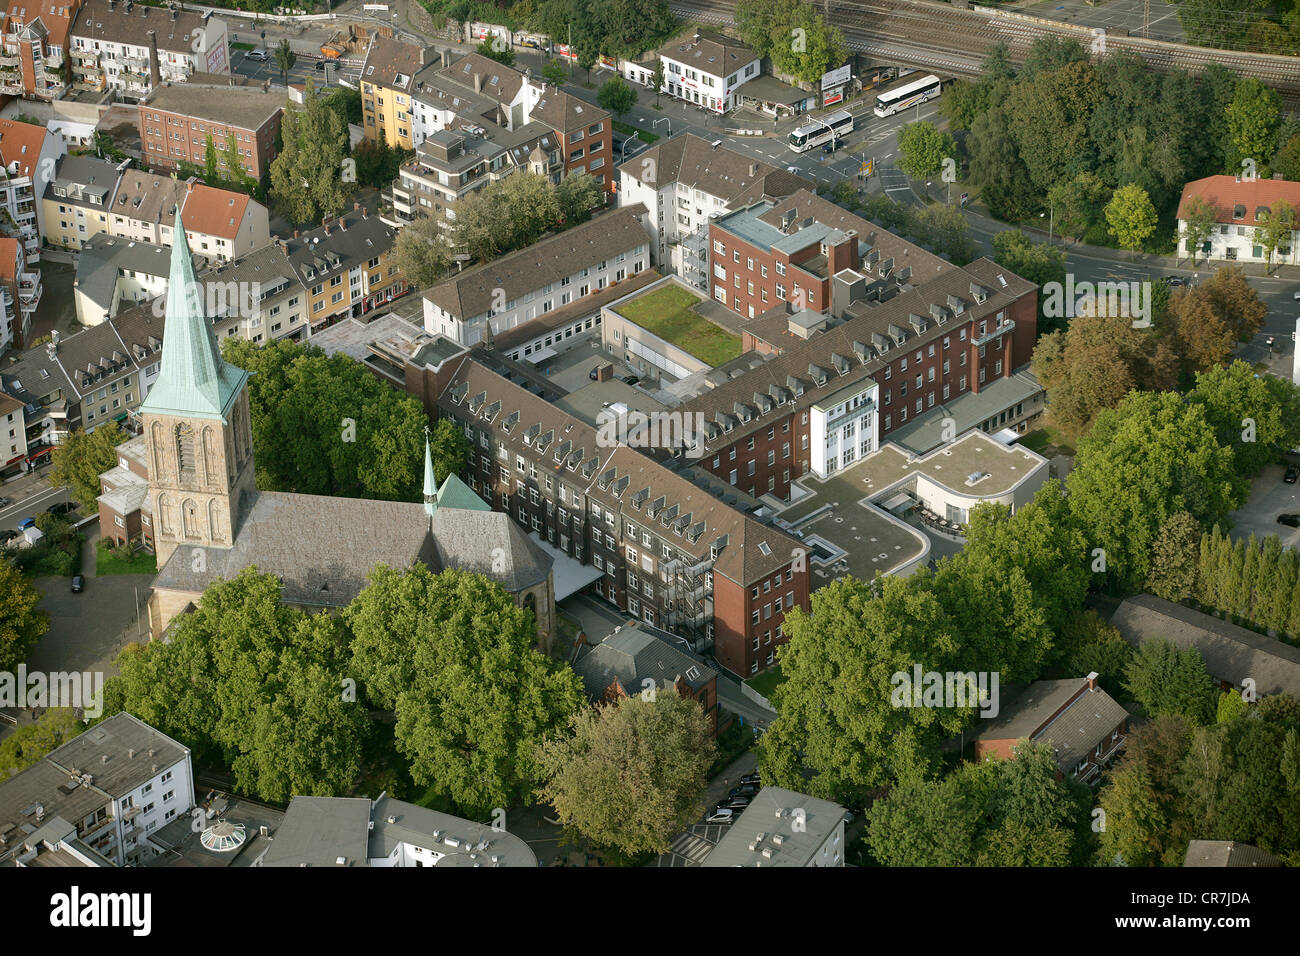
(549,274)
(685,181)
(705,69)
(29,155)
(1241,206)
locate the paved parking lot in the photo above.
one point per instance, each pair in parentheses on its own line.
(1270,496)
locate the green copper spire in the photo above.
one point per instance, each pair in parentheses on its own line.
(430,482)
(194,381)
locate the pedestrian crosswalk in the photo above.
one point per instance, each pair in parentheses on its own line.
(692,847)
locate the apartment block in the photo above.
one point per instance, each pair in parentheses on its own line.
(562,268)
(79,198)
(29,156)
(96,798)
(176,123)
(133,49)
(346,266)
(220,224)
(35,40)
(20,294)
(685,182)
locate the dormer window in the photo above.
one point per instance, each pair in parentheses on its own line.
(1239,211)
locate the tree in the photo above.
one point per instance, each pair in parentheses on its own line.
(946,231)
(1172,681)
(1278,225)
(553,73)
(453,656)
(1078,204)
(1257,417)
(924,823)
(81,458)
(1130,217)
(1198,216)
(1287,160)
(1252,127)
(1174,558)
(449,449)
(794,35)
(995,166)
(838,734)
(32,742)
(260,684)
(307,176)
(580,194)
(617,96)
(629,774)
(236,177)
(923,149)
(1036,261)
(1149,457)
(1096,362)
(327,426)
(22,622)
(1052,113)
(211,163)
(1219,23)
(657,79)
(285,58)
(1087,644)
(495,48)
(422,252)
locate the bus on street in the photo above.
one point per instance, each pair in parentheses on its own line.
(902,97)
(817,131)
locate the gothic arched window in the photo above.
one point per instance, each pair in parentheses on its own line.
(185,452)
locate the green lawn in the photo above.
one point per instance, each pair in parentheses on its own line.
(767,681)
(1047,441)
(667,313)
(106,562)
(242,46)
(627,129)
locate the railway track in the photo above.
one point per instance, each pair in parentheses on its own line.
(946,38)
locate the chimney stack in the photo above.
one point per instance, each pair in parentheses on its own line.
(155,75)
(478,82)
(1092,681)
(365,213)
(295,233)
(446,58)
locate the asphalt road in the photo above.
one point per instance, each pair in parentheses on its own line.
(29,506)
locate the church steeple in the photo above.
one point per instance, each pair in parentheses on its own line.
(193,381)
(430,480)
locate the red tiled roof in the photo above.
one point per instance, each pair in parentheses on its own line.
(21,143)
(214,212)
(1226,193)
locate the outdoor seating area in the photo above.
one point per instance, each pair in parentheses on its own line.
(935,522)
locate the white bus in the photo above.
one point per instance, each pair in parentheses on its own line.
(815,132)
(902,97)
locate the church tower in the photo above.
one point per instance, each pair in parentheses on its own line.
(196,422)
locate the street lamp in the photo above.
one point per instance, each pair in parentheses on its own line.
(663,119)
(1051,222)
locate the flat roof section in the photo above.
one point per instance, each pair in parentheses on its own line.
(1002,467)
(680,316)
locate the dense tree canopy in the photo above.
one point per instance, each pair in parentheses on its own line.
(308,176)
(327,426)
(453,656)
(81,458)
(22,622)
(629,775)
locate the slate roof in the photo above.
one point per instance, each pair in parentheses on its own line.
(566,113)
(1231,653)
(471,293)
(96,21)
(1227,853)
(93,176)
(1062,713)
(709,52)
(323,548)
(352,239)
(732,176)
(633,656)
(499,82)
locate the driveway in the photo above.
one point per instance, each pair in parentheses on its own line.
(1270,496)
(88,630)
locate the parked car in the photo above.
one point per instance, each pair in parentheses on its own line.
(62,508)
(1291,521)
(256,55)
(1296,297)
(832,146)
(631,379)
(751,778)
(721,816)
(594,373)
(5,502)
(78,584)
(734,803)
(1291,474)
(1175,280)
(320,66)
(26,523)
(744,790)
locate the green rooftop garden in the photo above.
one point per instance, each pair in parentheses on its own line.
(667,313)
